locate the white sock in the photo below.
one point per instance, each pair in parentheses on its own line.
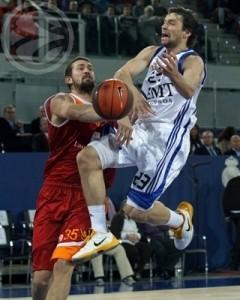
(98,217)
(175,219)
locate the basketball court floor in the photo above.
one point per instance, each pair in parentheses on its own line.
(220,287)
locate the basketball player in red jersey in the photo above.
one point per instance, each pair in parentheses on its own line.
(62,220)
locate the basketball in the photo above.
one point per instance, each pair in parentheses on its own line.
(112,100)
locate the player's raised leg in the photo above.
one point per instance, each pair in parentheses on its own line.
(180,221)
(92,179)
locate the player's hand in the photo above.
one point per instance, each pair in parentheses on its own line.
(140,108)
(124,131)
(166,65)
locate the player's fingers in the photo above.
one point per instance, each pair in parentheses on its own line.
(120,133)
(135,113)
(129,136)
(125,136)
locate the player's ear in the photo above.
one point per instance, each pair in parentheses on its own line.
(68,80)
(187,34)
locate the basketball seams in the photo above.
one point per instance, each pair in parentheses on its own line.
(112,99)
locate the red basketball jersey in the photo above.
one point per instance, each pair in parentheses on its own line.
(65,141)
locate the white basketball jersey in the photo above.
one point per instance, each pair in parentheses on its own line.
(167,103)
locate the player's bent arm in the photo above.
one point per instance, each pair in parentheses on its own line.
(135,66)
(63,107)
(193,72)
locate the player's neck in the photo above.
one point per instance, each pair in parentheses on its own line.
(177,49)
(82,95)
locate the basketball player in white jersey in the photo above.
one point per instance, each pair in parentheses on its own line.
(159,141)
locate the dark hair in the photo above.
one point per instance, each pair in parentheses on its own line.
(190,23)
(68,70)
(226,133)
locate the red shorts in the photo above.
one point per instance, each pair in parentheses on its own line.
(60,225)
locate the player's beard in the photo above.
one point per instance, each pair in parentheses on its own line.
(86,86)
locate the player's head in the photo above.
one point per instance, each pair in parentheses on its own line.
(79,75)
(179,28)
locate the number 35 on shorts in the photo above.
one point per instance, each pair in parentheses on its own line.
(74,234)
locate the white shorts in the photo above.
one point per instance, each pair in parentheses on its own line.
(158,150)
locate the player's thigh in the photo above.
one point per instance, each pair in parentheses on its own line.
(74,229)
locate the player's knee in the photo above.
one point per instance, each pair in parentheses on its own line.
(87,159)
(62,268)
(41,280)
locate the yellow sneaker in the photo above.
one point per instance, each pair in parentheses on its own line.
(183,235)
(96,243)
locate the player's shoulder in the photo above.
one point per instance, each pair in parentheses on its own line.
(191,55)
(193,59)
(147,53)
(61,96)
(150,50)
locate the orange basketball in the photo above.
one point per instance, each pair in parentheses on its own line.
(112,100)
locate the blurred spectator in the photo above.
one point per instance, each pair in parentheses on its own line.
(73,6)
(208,147)
(235,146)
(159,10)
(52,4)
(119,254)
(163,249)
(73,12)
(40,140)
(124,267)
(101,5)
(231,204)
(206,7)
(63,4)
(223,141)
(138,252)
(223,15)
(127,32)
(149,26)
(87,10)
(12,136)
(195,138)
(35,124)
(230,171)
(108,33)
(138,8)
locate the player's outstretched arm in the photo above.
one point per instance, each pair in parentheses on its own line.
(131,69)
(63,107)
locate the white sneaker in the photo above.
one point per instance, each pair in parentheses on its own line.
(95,244)
(183,235)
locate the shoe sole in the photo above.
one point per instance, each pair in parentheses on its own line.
(95,252)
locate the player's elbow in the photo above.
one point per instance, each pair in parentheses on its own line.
(188,93)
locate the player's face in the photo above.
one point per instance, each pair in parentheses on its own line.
(172,31)
(83,77)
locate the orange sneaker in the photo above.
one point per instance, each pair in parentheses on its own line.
(96,243)
(183,235)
